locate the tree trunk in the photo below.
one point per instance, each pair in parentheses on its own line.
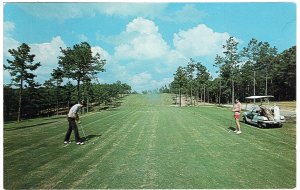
(191,95)
(179,96)
(201,96)
(254,86)
(87,105)
(197,99)
(57,96)
(204,94)
(232,85)
(20,101)
(208,96)
(49,104)
(78,90)
(57,109)
(266,90)
(220,92)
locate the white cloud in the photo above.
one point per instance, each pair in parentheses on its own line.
(47,53)
(141,57)
(174,58)
(159,83)
(147,61)
(188,13)
(141,78)
(64,11)
(151,10)
(59,11)
(103,54)
(141,41)
(142,26)
(145,81)
(200,41)
(8,27)
(9,43)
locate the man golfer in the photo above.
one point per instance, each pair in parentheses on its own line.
(72,118)
(237,113)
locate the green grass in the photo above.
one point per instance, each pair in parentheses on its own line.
(290,104)
(282,104)
(148,143)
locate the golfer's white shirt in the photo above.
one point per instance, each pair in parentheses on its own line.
(74,109)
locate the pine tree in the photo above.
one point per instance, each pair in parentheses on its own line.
(20,68)
(79,64)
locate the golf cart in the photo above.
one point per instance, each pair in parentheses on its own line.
(263,116)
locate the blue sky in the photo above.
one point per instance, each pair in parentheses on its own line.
(143,43)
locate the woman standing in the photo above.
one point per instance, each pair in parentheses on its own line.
(237,113)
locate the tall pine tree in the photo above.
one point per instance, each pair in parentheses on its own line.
(20,69)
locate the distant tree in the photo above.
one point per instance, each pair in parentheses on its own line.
(250,54)
(49,86)
(265,62)
(57,76)
(218,63)
(164,89)
(126,89)
(213,88)
(247,79)
(190,69)
(180,81)
(285,74)
(32,99)
(10,97)
(20,69)
(69,90)
(232,60)
(202,77)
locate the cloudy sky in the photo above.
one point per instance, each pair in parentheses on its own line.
(143,43)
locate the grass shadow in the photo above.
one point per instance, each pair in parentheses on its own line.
(55,118)
(89,137)
(27,126)
(267,127)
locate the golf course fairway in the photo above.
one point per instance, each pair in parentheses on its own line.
(148,142)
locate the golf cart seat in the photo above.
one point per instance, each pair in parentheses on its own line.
(267,113)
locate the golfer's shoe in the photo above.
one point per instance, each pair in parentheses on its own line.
(235,131)
(80,143)
(238,132)
(66,142)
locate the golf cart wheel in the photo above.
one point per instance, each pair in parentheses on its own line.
(245,120)
(260,125)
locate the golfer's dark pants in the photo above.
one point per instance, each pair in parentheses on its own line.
(72,126)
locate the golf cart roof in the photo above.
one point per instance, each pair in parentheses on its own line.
(258,97)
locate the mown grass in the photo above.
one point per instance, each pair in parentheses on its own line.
(289,104)
(148,143)
(282,104)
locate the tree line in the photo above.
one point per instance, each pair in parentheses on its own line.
(257,69)
(26,98)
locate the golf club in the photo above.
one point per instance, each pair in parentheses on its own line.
(83,132)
